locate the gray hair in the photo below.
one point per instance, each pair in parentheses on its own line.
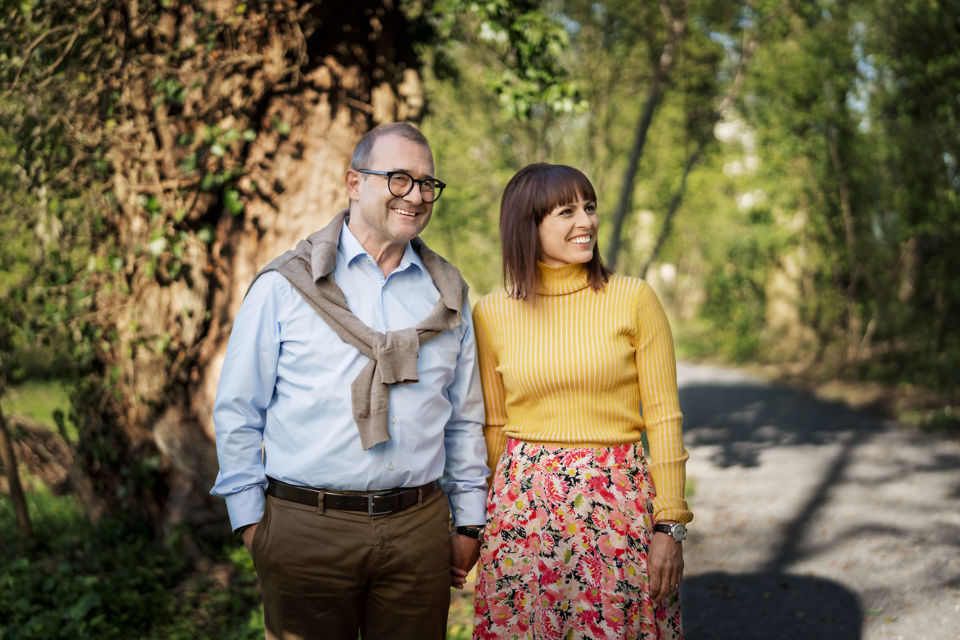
(361,155)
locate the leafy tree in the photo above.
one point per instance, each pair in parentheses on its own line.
(858,139)
(912,65)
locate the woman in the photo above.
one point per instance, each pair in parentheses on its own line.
(569,354)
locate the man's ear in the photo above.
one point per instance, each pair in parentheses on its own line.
(352,179)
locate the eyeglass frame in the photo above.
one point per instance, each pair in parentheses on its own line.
(439,184)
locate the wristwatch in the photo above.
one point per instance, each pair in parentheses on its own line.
(471,531)
(678,531)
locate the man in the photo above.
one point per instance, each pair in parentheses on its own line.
(349,388)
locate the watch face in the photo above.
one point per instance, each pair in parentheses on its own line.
(679,532)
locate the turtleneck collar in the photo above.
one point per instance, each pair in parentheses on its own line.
(558,281)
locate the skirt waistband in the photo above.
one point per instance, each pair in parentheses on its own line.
(557,457)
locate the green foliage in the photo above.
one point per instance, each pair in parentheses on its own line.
(858,134)
(527,41)
(41,265)
(115,580)
(44,217)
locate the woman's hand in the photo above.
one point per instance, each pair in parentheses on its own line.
(664,565)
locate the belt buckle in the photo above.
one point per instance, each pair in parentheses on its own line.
(370,511)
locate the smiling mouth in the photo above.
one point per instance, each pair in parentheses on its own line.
(404,212)
(582,240)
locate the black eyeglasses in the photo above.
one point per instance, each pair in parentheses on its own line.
(401,183)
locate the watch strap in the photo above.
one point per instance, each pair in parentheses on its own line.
(676,530)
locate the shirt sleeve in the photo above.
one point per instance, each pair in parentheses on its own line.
(657,370)
(245,390)
(465,471)
(494,394)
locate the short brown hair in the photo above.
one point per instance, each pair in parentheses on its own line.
(531,194)
(361,154)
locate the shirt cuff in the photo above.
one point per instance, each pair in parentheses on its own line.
(469,508)
(245,507)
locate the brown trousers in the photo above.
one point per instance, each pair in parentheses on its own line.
(335,574)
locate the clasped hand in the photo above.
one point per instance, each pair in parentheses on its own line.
(464,552)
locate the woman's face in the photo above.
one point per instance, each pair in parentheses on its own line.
(568,234)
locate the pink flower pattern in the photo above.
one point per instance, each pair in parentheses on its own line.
(564,551)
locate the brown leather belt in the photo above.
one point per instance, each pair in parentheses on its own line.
(373,503)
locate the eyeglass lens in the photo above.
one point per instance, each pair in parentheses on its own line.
(401,184)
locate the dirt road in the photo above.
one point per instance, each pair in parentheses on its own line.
(814,520)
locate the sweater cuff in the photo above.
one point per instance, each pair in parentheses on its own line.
(683,516)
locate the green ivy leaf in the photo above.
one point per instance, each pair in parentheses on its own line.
(231,199)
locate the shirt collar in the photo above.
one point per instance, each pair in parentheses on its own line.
(350,249)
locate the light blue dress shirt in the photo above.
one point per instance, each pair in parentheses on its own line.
(286,382)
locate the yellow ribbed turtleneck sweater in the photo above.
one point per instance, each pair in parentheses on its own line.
(574,366)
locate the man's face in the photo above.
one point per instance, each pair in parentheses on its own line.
(379,218)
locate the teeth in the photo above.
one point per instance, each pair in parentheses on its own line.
(404,212)
(581,240)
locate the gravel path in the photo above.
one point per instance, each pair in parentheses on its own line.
(814,520)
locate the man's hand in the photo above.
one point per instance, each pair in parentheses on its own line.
(464,552)
(664,566)
(247,536)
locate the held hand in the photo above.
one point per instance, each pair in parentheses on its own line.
(464,552)
(664,566)
(248,537)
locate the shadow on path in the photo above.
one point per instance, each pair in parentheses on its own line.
(742,419)
(761,606)
(739,421)
(851,513)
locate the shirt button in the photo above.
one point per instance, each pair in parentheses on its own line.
(393,420)
(390,466)
(458,510)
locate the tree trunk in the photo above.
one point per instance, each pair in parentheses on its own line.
(674,205)
(855,333)
(625,201)
(675,29)
(749,48)
(199,210)
(13,482)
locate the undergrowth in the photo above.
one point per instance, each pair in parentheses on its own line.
(114,579)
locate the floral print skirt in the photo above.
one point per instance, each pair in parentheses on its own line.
(564,551)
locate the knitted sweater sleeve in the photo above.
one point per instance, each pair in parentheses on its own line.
(657,370)
(494,395)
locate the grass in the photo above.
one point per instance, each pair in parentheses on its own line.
(40,400)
